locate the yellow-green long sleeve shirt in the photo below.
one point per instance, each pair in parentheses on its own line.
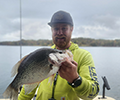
(88,89)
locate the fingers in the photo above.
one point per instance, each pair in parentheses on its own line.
(69,63)
(68,70)
(68,66)
(75,63)
(63,68)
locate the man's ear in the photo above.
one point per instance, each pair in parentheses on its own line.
(51,29)
(71,28)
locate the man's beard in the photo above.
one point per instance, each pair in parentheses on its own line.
(61,42)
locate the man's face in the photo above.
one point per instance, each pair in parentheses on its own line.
(61,34)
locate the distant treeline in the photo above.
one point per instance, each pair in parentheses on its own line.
(79,41)
(96,42)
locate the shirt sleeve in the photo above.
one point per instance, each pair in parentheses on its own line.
(23,96)
(89,87)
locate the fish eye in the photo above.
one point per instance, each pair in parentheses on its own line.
(61,52)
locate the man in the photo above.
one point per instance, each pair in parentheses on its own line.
(74,80)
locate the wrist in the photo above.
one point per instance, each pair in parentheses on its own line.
(73,78)
(76,82)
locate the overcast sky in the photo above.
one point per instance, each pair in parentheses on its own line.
(98,19)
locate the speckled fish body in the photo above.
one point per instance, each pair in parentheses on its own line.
(34,68)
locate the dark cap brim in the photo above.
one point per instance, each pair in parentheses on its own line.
(50,24)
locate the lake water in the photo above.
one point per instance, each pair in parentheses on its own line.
(107,62)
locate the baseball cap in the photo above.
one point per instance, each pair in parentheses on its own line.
(61,17)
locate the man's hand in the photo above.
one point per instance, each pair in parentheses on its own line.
(68,70)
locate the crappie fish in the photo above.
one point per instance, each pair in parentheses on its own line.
(34,68)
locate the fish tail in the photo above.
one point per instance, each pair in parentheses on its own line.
(11,93)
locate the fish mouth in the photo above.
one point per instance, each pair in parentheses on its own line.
(54,62)
(51,61)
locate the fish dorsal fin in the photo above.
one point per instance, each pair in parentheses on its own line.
(16,66)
